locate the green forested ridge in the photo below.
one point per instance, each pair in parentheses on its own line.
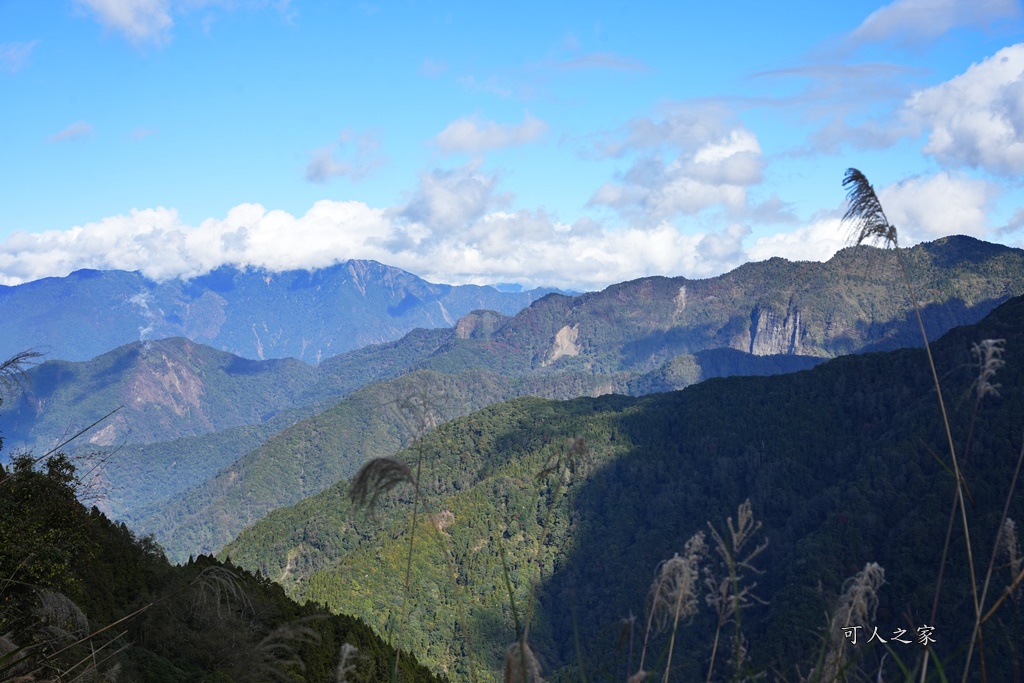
(653,334)
(68,573)
(837,462)
(309,456)
(169,389)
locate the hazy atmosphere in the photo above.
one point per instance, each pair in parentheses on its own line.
(574,145)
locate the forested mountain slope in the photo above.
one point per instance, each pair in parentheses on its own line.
(841,464)
(84,599)
(653,334)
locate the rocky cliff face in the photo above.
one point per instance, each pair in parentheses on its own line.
(772,333)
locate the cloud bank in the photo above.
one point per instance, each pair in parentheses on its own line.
(457,227)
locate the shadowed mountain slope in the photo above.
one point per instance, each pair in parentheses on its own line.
(837,461)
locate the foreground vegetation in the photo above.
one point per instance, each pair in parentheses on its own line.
(84,599)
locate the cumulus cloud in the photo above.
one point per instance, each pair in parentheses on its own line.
(818,241)
(458,227)
(140,21)
(472,135)
(14,56)
(455,228)
(912,22)
(331,162)
(925,208)
(977,118)
(715,160)
(157,243)
(453,199)
(76,131)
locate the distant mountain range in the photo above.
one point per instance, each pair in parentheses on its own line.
(252,313)
(210,442)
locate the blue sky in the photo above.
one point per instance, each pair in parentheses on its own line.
(569,144)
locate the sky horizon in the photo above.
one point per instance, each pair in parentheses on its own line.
(572,146)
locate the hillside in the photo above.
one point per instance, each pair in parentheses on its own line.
(837,462)
(253,313)
(84,599)
(653,334)
(168,389)
(854,302)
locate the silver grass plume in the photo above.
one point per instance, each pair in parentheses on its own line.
(730,593)
(1008,543)
(377,477)
(277,655)
(856,607)
(346,667)
(12,371)
(674,590)
(220,586)
(865,213)
(516,659)
(989,354)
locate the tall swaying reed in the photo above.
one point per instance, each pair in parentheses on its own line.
(855,610)
(870,224)
(673,596)
(417,410)
(729,594)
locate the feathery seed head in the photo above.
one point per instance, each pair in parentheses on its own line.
(860,598)
(346,667)
(674,589)
(989,354)
(376,478)
(516,659)
(1008,543)
(865,212)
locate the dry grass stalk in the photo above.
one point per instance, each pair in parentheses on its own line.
(856,608)
(1008,543)
(346,663)
(728,595)
(870,223)
(377,477)
(521,665)
(989,354)
(673,595)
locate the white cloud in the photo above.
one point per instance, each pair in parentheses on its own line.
(14,56)
(364,158)
(909,22)
(925,208)
(452,200)
(140,21)
(485,245)
(818,241)
(472,136)
(458,227)
(716,160)
(977,118)
(76,131)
